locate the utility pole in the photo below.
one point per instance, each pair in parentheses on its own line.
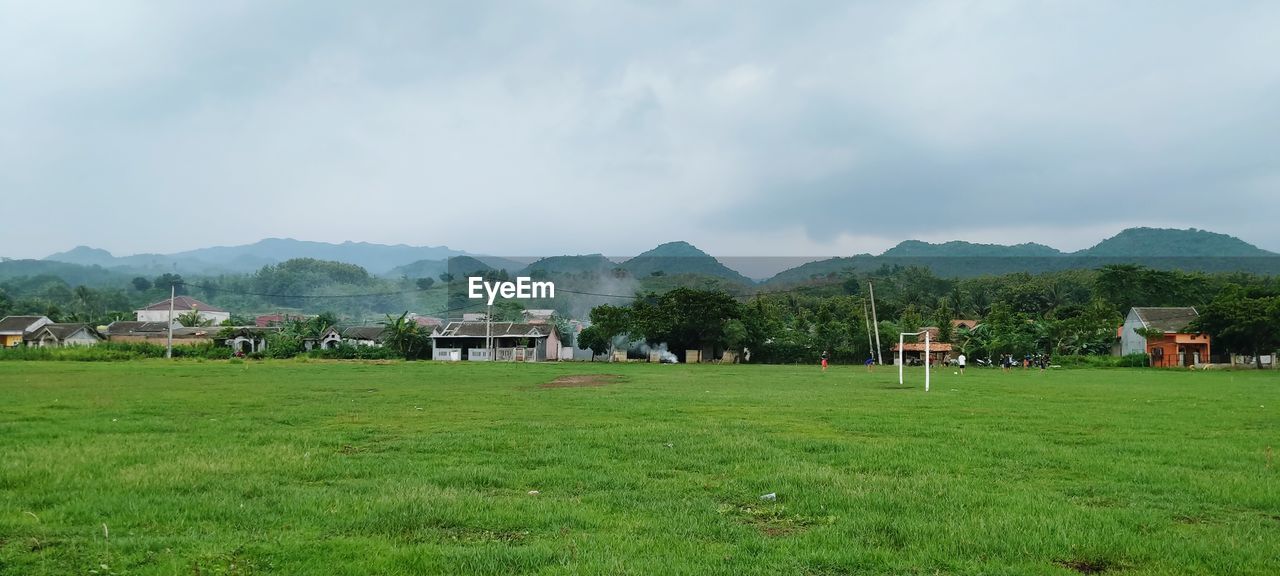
(866,319)
(488,331)
(168,351)
(879,354)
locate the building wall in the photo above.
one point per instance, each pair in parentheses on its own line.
(80,338)
(1170,344)
(11,341)
(1130,341)
(159,340)
(163,316)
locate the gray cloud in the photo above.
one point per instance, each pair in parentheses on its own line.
(746,128)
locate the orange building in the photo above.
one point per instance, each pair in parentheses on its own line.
(1165,336)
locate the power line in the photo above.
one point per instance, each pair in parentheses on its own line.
(216,289)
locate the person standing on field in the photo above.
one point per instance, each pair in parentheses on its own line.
(960,362)
(825,356)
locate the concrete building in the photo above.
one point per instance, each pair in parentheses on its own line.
(511,341)
(159,312)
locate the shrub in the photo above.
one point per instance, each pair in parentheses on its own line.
(1102,361)
(103,352)
(207,351)
(349,352)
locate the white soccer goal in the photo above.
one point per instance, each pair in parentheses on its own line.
(901,362)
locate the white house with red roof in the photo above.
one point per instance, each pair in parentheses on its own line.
(159,312)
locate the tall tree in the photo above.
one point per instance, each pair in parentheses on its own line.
(685,319)
(1241,323)
(406,337)
(592,338)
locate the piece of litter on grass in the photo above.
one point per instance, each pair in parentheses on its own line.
(534,492)
(115,419)
(770,496)
(669,445)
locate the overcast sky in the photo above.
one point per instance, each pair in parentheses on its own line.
(746,128)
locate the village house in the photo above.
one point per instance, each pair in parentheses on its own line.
(158,333)
(429,322)
(363,335)
(511,341)
(1163,335)
(159,312)
(329,339)
(278,319)
(913,352)
(14,329)
(244,339)
(56,335)
(940,352)
(537,316)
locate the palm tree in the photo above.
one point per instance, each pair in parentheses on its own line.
(192,319)
(404,336)
(84,298)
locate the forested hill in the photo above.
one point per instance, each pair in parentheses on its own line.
(1164,249)
(957,248)
(674,258)
(1167,243)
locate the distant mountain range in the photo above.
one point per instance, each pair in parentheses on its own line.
(376,258)
(1165,248)
(1190,249)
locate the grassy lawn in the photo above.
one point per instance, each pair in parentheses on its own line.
(421,468)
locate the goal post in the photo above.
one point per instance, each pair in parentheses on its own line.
(902,337)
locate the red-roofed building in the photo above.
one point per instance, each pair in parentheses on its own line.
(159,312)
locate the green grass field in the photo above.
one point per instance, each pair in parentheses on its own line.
(421,468)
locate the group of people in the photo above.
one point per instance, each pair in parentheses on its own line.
(870,362)
(1040,361)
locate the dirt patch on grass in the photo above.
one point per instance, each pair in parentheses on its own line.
(1087,565)
(583,381)
(772,520)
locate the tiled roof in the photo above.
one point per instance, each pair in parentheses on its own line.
(159,330)
(17,324)
(185,304)
(62,331)
(1167,320)
(919,347)
(126,327)
(364,332)
(496,330)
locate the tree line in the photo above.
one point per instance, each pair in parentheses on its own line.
(1073,313)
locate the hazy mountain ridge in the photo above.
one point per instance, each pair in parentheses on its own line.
(376,258)
(1194,248)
